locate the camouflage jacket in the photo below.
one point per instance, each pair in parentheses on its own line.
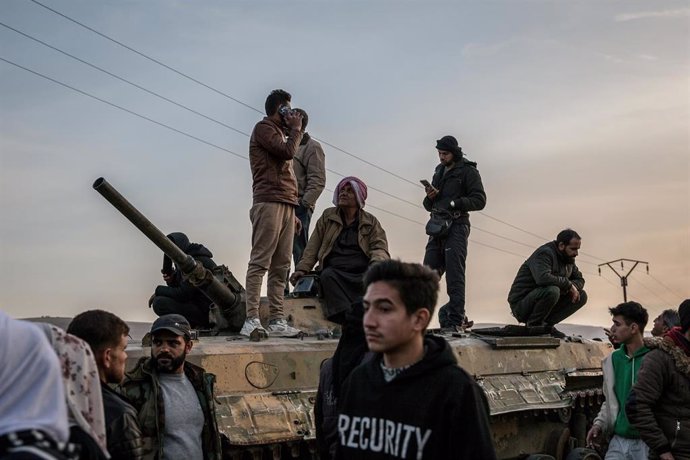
(142,388)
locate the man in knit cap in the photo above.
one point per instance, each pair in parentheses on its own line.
(345,241)
(455,189)
(659,403)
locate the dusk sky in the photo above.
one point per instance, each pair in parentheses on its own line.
(577,114)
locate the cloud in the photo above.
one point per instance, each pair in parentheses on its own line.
(678,13)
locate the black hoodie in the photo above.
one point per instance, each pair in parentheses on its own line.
(432,410)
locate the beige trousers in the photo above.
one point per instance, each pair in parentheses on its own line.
(273,230)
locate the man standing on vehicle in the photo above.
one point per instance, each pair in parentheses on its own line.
(107,335)
(273,211)
(310,170)
(411,400)
(620,374)
(455,189)
(174,398)
(659,403)
(548,286)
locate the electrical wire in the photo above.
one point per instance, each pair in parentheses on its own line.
(650,290)
(84,93)
(666,287)
(380,168)
(124,109)
(180,105)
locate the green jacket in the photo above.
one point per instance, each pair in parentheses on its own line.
(142,388)
(625,370)
(372,239)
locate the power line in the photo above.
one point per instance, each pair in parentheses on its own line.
(153,93)
(651,291)
(666,287)
(146,56)
(124,109)
(210,143)
(178,72)
(180,105)
(122,79)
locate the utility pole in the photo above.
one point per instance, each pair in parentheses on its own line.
(624,278)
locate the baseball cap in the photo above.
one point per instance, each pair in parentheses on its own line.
(177,324)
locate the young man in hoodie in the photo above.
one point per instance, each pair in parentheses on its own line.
(620,374)
(659,403)
(412,400)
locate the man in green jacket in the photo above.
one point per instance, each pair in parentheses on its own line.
(174,398)
(548,287)
(620,374)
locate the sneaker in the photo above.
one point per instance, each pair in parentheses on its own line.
(280,328)
(250,325)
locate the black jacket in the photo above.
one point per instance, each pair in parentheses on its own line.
(545,267)
(122,427)
(179,289)
(432,410)
(462,186)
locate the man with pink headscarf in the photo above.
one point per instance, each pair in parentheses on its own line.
(345,241)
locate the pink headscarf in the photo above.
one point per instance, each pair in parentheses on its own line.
(359,187)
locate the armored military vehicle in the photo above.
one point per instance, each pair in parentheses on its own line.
(543,392)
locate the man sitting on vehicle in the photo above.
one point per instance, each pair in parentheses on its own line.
(346,240)
(179,296)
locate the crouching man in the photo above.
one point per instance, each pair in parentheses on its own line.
(412,400)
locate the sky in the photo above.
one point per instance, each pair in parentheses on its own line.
(577,114)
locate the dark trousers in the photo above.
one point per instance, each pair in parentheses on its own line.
(197,315)
(546,306)
(303,213)
(448,256)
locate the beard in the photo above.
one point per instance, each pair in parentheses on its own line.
(166,364)
(566,258)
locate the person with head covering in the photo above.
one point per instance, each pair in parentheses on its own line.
(33,410)
(345,241)
(82,393)
(659,403)
(455,189)
(179,296)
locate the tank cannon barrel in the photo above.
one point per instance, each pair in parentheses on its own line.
(230,301)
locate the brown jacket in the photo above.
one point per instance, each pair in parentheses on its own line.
(270,157)
(372,239)
(310,170)
(659,403)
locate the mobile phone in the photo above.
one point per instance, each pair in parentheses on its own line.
(425,182)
